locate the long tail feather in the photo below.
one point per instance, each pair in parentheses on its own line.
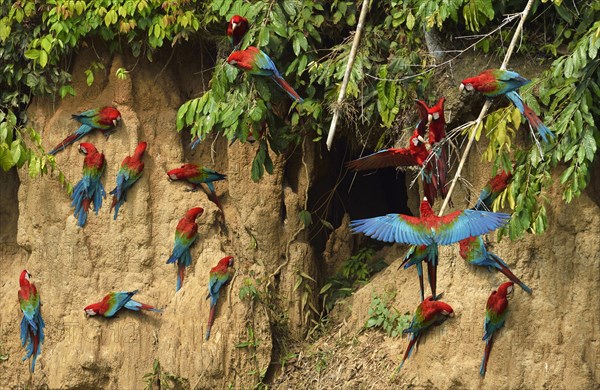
(535,122)
(180,276)
(502,267)
(66,142)
(211,320)
(411,345)
(432,276)
(287,88)
(486,355)
(421,284)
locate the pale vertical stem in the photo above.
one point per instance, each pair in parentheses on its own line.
(485,107)
(351,58)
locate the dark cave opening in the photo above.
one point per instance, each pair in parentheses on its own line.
(335,191)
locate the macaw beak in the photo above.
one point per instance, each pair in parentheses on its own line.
(234,25)
(421,139)
(429,118)
(451,314)
(115,121)
(461,88)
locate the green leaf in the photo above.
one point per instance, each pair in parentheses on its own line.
(305,217)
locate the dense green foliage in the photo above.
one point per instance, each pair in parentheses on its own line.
(310,43)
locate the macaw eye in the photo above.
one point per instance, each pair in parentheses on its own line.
(436,116)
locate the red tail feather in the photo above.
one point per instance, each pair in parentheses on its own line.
(211,320)
(432,275)
(147,307)
(66,142)
(288,88)
(486,355)
(114,203)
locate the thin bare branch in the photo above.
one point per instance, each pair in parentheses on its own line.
(485,107)
(351,57)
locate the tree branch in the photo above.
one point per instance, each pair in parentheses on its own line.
(485,107)
(353,50)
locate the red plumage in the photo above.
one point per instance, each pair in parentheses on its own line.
(109,116)
(187,224)
(500,181)
(237,27)
(485,82)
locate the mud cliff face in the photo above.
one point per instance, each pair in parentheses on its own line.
(73,267)
(550,340)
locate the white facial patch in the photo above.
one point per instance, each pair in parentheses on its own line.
(90,312)
(436,116)
(173,176)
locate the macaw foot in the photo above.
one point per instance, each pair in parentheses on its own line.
(192,189)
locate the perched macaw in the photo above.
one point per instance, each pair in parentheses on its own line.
(237,27)
(196,175)
(130,171)
(496,310)
(115,301)
(415,255)
(494,82)
(492,190)
(103,119)
(429,313)
(474,251)
(429,228)
(220,275)
(414,155)
(32,324)
(256,62)
(185,235)
(436,170)
(89,189)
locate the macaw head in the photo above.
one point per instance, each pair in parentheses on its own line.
(444,309)
(141,148)
(85,148)
(183,172)
(226,262)
(425,208)
(92,310)
(436,112)
(110,115)
(25,278)
(194,213)
(234,58)
(506,289)
(467,84)
(237,22)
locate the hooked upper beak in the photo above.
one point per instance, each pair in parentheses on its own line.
(451,314)
(234,25)
(461,87)
(421,139)
(429,118)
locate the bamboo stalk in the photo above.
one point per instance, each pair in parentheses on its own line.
(485,107)
(351,58)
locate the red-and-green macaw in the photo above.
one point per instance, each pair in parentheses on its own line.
(115,301)
(186,233)
(89,189)
(496,310)
(437,132)
(429,229)
(474,251)
(196,175)
(130,171)
(492,190)
(32,324)
(256,62)
(415,255)
(220,275)
(103,119)
(237,27)
(429,313)
(494,82)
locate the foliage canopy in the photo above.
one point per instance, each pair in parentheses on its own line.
(310,43)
